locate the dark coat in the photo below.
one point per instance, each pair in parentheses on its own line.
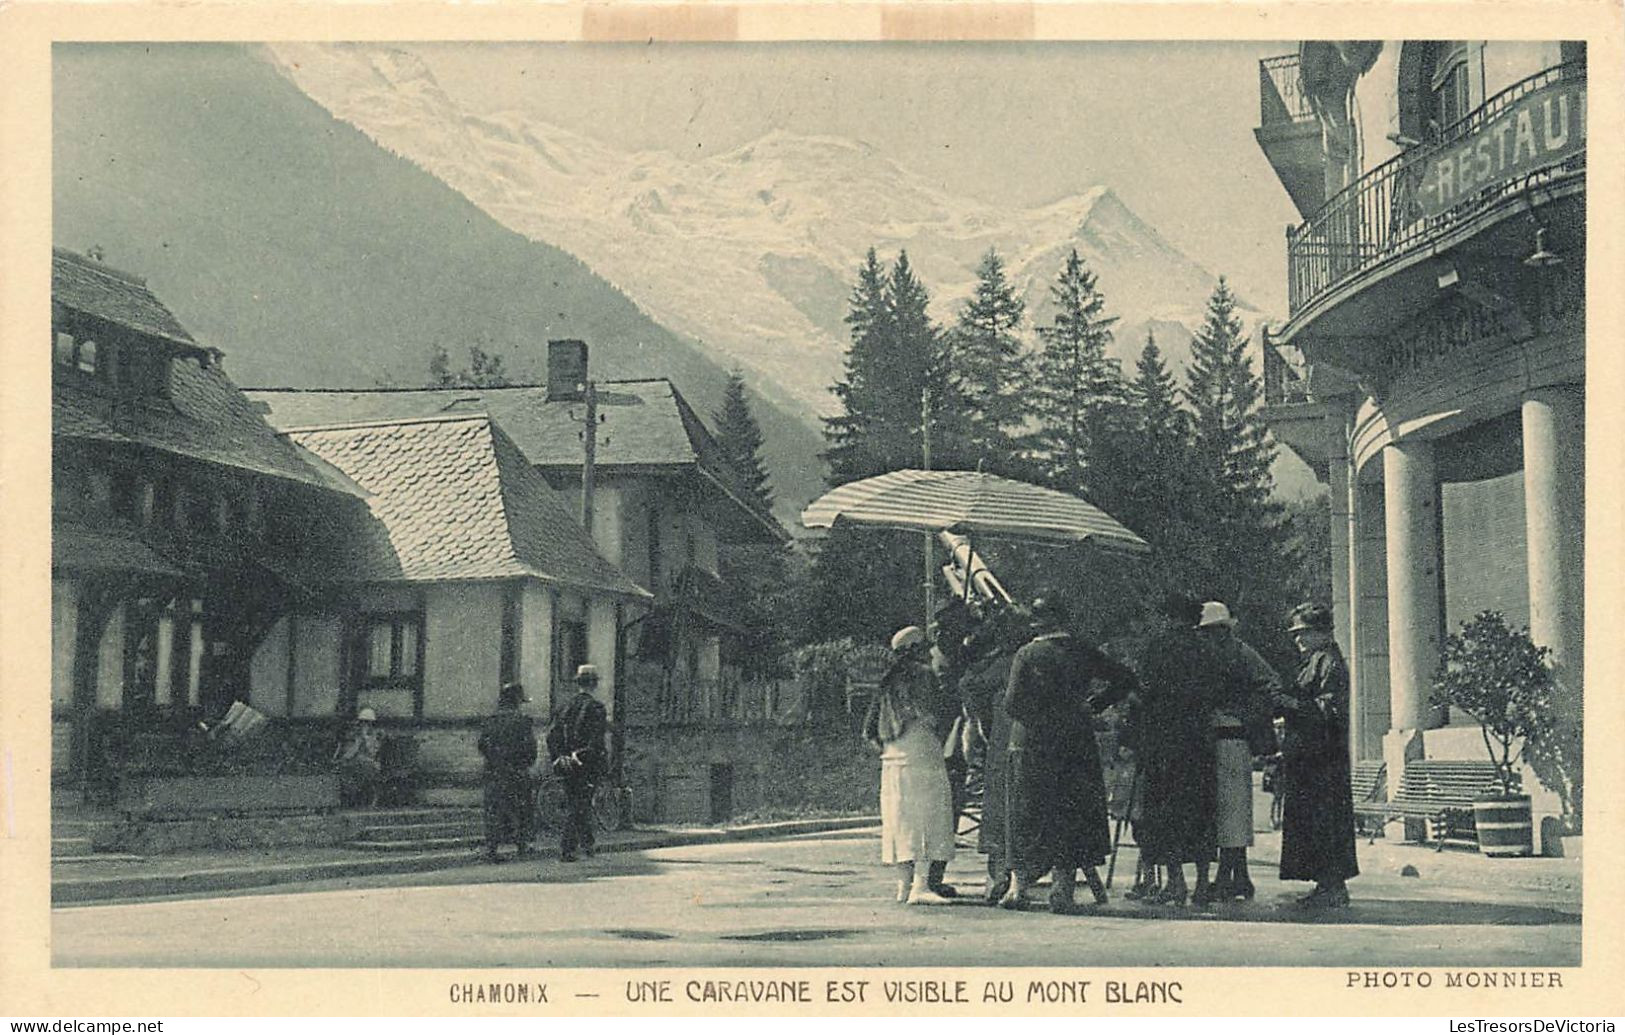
(1174,740)
(982,690)
(1056,791)
(579,729)
(1317,815)
(508,744)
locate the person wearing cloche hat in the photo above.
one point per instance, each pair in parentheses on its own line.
(1240,721)
(1317,816)
(507,742)
(359,762)
(575,745)
(916,807)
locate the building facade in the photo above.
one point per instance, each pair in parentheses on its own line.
(1432,368)
(664,501)
(461,572)
(173,504)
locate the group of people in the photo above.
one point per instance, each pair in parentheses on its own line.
(575,749)
(1018,692)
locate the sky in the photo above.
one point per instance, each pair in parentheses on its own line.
(1167,125)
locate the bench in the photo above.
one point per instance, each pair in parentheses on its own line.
(1440,793)
(1369,785)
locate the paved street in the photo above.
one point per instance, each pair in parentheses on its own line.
(817,900)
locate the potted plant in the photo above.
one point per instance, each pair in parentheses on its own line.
(1500,677)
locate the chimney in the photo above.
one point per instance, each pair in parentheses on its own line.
(566,369)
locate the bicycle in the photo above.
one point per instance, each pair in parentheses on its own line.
(607,813)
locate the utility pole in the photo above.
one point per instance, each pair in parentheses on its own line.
(589,438)
(925,464)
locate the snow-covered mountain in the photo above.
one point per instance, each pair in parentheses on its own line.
(751,253)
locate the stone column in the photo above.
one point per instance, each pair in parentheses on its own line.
(1411,512)
(1554,520)
(1554,514)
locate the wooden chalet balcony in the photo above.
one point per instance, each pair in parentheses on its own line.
(1433,195)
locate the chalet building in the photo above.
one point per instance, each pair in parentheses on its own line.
(1432,369)
(663,499)
(463,571)
(172,505)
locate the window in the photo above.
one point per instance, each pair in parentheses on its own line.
(654,548)
(508,668)
(85,357)
(390,650)
(570,650)
(62,352)
(1450,85)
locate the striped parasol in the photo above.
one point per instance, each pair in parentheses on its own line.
(973,504)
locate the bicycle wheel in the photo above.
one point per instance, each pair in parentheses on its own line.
(606,807)
(550,804)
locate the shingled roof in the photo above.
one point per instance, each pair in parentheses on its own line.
(647,426)
(113,295)
(452,497)
(206,417)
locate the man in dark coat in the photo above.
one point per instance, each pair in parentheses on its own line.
(508,744)
(1317,817)
(1055,788)
(576,746)
(1180,682)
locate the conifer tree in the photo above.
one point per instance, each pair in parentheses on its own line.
(1240,554)
(740,439)
(1230,435)
(1077,391)
(986,369)
(849,431)
(754,573)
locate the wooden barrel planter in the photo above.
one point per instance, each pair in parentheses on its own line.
(1504,825)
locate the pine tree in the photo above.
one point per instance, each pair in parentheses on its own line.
(849,431)
(1077,393)
(986,367)
(893,358)
(1240,555)
(740,439)
(1230,435)
(864,582)
(754,573)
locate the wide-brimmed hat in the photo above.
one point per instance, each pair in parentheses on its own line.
(586,675)
(1310,616)
(512,693)
(1049,612)
(908,637)
(366,715)
(1214,613)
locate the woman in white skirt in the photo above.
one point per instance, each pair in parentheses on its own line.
(1249,684)
(916,809)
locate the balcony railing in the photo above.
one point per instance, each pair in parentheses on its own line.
(1381,216)
(1286,380)
(1281,96)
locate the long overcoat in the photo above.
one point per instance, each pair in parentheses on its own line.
(982,688)
(508,744)
(1055,790)
(1317,816)
(1180,676)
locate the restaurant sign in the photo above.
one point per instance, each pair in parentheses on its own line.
(1537,130)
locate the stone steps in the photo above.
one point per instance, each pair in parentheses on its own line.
(426,844)
(422,831)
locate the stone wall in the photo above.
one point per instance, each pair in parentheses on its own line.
(696,775)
